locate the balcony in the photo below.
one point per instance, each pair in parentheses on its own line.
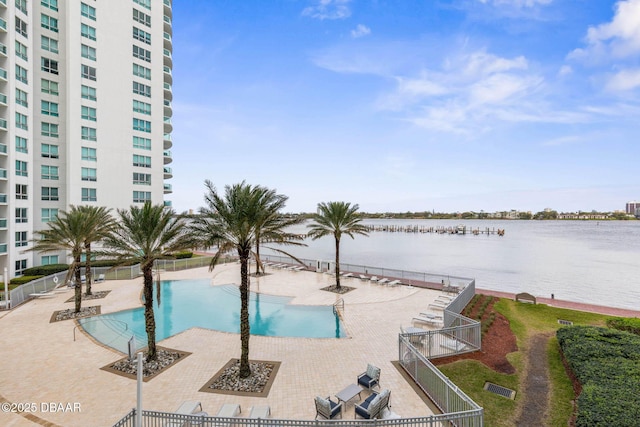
(168,78)
(167,173)
(3,50)
(167,157)
(3,223)
(3,124)
(167,141)
(3,173)
(3,25)
(167,8)
(168,59)
(167,203)
(167,92)
(167,189)
(3,74)
(3,149)
(3,248)
(168,127)
(168,111)
(167,24)
(3,199)
(167,41)
(3,100)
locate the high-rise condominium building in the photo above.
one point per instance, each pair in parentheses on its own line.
(85,108)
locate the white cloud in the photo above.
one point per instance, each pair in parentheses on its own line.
(328,9)
(360,31)
(565,70)
(624,80)
(516,3)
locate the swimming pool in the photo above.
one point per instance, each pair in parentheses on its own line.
(195,303)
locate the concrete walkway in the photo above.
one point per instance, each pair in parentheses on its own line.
(45,368)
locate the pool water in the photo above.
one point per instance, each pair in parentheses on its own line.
(195,303)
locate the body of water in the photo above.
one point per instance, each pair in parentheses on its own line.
(195,303)
(583,261)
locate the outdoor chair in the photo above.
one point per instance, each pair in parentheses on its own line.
(373,405)
(370,378)
(328,408)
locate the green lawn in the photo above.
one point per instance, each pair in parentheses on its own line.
(526,320)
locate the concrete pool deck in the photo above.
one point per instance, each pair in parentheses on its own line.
(43,365)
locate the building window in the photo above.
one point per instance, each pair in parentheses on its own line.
(21,27)
(142,178)
(49,108)
(89,154)
(88,11)
(21,121)
(141,35)
(141,107)
(49,65)
(49,151)
(141,125)
(88,52)
(141,17)
(89,93)
(144,3)
(21,216)
(142,161)
(21,266)
(49,172)
(49,44)
(21,51)
(141,53)
(142,143)
(140,89)
(49,194)
(21,5)
(89,113)
(89,174)
(21,98)
(89,134)
(51,4)
(48,259)
(87,31)
(88,72)
(89,195)
(21,145)
(48,214)
(141,196)
(140,71)
(21,75)
(21,239)
(21,168)
(21,192)
(49,23)
(49,87)
(49,129)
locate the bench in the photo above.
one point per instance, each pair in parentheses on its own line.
(526,298)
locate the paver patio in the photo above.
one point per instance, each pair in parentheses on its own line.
(43,364)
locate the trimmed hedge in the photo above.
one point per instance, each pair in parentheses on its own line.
(607,364)
(183,255)
(45,270)
(625,324)
(23,279)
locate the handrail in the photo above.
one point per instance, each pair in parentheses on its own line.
(99,320)
(337,304)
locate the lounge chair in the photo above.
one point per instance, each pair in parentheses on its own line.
(370,378)
(363,277)
(43,294)
(347,274)
(260,411)
(430,320)
(394,282)
(188,407)
(374,278)
(373,405)
(328,408)
(100,278)
(383,280)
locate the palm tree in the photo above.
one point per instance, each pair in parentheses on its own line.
(236,221)
(336,218)
(144,235)
(98,225)
(66,233)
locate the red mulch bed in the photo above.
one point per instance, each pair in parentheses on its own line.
(497,342)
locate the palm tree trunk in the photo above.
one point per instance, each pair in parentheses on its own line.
(257,258)
(87,271)
(245,332)
(149,319)
(337,263)
(78,287)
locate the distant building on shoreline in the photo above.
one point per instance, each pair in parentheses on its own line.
(633,208)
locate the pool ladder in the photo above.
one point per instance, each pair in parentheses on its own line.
(339,304)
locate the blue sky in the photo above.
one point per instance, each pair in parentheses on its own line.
(445,105)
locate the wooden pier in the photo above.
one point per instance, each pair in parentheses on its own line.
(460,229)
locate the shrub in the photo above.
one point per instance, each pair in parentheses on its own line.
(625,324)
(182,255)
(45,270)
(23,279)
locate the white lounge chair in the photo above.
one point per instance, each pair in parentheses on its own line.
(363,277)
(374,278)
(383,280)
(430,321)
(260,411)
(100,278)
(347,274)
(394,282)
(188,407)
(43,295)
